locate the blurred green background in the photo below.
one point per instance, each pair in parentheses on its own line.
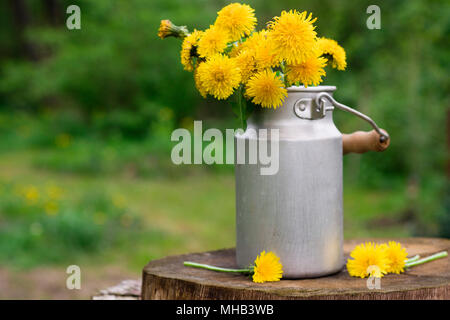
(86,117)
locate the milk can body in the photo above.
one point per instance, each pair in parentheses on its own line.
(297,212)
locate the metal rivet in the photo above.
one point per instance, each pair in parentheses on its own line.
(302,107)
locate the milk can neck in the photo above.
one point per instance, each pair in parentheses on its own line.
(299,103)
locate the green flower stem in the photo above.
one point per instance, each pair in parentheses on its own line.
(435,256)
(213,268)
(415,258)
(241,107)
(180,31)
(283,74)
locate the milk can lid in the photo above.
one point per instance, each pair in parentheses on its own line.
(312,88)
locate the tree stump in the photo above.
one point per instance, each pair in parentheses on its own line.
(126,290)
(168,278)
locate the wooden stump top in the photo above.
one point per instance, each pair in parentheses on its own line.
(168,278)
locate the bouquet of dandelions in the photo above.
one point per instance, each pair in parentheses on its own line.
(231,59)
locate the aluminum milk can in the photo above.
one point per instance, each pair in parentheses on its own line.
(297,213)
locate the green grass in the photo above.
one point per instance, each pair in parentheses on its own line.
(128,220)
(169,215)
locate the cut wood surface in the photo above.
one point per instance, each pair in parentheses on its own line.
(168,278)
(126,290)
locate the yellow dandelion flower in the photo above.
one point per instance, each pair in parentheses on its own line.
(334,52)
(293,36)
(189,49)
(368,259)
(265,54)
(219,76)
(199,84)
(247,64)
(214,40)
(31,194)
(252,42)
(396,255)
(266,89)
(267,268)
(308,72)
(164,29)
(168,29)
(237,19)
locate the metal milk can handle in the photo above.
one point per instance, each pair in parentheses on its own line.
(359,141)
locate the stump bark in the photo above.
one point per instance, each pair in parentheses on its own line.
(168,278)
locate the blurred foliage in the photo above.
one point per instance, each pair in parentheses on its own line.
(106,98)
(115,75)
(43,224)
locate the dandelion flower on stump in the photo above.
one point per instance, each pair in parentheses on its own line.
(189,49)
(334,52)
(267,268)
(308,72)
(368,259)
(396,255)
(266,89)
(214,40)
(293,36)
(236,19)
(219,76)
